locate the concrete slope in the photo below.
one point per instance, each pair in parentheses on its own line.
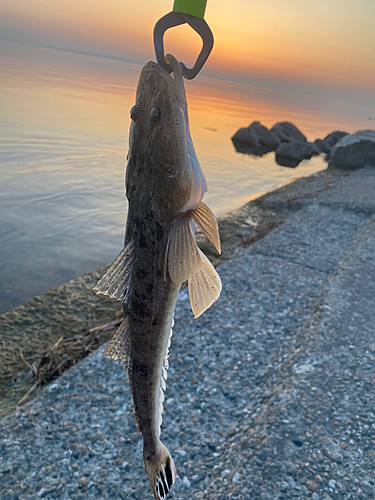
(314,434)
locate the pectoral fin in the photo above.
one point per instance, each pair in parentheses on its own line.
(183,255)
(119,346)
(205,219)
(116,281)
(204,287)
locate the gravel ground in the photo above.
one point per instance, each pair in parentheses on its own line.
(269,393)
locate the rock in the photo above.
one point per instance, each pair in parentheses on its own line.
(323,146)
(354,151)
(334,137)
(71,488)
(245,136)
(236,477)
(311,485)
(287,132)
(290,154)
(332,483)
(186,482)
(256,139)
(284,486)
(314,148)
(265,136)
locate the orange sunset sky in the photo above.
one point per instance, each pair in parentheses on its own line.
(320,48)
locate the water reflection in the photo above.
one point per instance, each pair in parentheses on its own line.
(242,147)
(287,162)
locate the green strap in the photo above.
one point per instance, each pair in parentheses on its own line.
(194,7)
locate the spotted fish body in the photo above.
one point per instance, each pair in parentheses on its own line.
(164,186)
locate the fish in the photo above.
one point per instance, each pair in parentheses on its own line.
(165,186)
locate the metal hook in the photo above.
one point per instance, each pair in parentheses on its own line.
(199,25)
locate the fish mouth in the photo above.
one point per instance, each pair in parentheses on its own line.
(154,81)
(155,69)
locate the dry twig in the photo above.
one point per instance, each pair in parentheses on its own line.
(67,352)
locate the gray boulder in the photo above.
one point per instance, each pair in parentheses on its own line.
(315,150)
(323,146)
(265,136)
(334,137)
(287,132)
(246,136)
(354,151)
(290,154)
(255,139)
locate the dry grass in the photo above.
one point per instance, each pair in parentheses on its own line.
(65,353)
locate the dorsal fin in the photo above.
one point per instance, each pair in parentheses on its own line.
(205,219)
(204,287)
(183,254)
(116,281)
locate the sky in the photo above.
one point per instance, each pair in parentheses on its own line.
(322,48)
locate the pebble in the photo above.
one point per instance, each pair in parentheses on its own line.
(332,483)
(292,483)
(236,477)
(311,485)
(186,482)
(284,486)
(71,488)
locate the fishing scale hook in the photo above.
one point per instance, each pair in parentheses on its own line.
(191,13)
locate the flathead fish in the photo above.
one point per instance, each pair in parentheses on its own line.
(165,187)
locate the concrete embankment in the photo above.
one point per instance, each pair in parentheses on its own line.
(270,392)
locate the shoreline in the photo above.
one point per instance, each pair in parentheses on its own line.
(72,309)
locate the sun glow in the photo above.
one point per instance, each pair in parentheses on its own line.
(279,41)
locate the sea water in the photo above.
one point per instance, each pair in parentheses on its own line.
(63,143)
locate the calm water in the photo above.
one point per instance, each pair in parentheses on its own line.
(64,132)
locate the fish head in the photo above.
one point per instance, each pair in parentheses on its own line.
(162,166)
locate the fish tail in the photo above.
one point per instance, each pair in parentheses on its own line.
(161,472)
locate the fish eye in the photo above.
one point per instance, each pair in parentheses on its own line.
(134,112)
(155,115)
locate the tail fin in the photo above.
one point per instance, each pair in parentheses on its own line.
(161,472)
